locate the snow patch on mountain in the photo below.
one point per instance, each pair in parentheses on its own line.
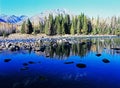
(41,17)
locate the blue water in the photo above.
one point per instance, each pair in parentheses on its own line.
(51,72)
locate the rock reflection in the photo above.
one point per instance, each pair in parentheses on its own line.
(63,48)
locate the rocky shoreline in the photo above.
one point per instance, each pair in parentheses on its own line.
(39,42)
(39,36)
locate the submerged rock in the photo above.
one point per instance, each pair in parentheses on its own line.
(42,78)
(24,68)
(25,64)
(98,54)
(80,65)
(71,62)
(7,60)
(31,62)
(39,62)
(106,60)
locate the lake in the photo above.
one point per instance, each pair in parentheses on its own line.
(77,63)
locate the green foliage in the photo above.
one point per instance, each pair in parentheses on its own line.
(59,29)
(47,28)
(23,27)
(117,32)
(85,26)
(57,25)
(67,25)
(5,34)
(62,27)
(72,31)
(78,27)
(36,30)
(27,27)
(81,24)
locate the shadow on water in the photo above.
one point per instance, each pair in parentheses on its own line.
(72,63)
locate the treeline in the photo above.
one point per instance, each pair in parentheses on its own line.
(6,29)
(66,24)
(60,25)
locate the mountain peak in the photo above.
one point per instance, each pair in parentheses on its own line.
(37,18)
(55,12)
(40,17)
(12,19)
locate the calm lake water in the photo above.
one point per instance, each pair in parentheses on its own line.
(84,63)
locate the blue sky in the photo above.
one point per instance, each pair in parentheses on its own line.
(33,7)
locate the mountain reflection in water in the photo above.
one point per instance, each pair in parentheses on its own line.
(77,63)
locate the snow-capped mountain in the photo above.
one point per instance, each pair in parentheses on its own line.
(40,17)
(1,20)
(12,19)
(34,19)
(55,12)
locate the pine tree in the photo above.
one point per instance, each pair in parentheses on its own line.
(51,25)
(47,27)
(75,24)
(62,27)
(23,28)
(29,28)
(41,25)
(57,25)
(78,27)
(89,27)
(85,26)
(59,32)
(82,21)
(79,24)
(67,24)
(72,30)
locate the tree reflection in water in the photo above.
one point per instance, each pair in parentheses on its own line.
(82,47)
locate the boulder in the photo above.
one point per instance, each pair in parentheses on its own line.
(98,54)
(80,65)
(42,48)
(7,60)
(71,62)
(14,48)
(8,45)
(31,62)
(25,64)
(106,60)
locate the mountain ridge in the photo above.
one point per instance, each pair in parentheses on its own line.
(13,19)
